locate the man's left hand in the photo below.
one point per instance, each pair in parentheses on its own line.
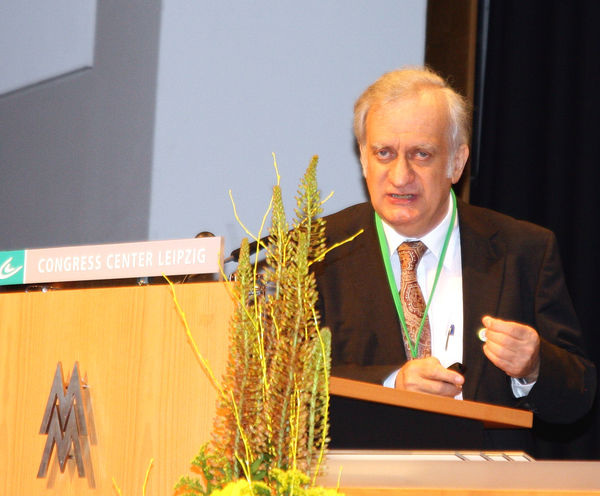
(512,347)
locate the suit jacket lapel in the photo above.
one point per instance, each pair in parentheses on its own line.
(482,280)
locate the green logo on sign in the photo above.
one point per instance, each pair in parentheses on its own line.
(12,267)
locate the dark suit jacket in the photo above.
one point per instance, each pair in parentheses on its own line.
(510,269)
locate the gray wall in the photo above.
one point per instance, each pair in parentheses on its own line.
(240,80)
(76,152)
(40,40)
(186,100)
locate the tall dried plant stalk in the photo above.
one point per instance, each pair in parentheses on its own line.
(272,411)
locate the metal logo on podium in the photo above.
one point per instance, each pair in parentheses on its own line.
(64,422)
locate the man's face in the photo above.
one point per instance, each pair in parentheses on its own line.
(406,162)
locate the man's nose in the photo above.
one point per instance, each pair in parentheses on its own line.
(401,172)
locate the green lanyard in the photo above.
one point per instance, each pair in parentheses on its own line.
(390,275)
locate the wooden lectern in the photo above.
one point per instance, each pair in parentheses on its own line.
(426,420)
(145,394)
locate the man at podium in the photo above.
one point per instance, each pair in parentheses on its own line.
(436,295)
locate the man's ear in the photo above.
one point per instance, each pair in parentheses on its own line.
(460,159)
(363,159)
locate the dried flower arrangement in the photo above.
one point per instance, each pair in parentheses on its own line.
(270,431)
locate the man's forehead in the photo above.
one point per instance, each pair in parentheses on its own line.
(426,116)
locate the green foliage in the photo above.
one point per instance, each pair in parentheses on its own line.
(270,431)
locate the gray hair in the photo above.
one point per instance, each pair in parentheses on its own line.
(407,83)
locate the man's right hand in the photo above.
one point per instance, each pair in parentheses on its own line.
(428,375)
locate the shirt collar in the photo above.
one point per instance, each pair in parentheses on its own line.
(434,239)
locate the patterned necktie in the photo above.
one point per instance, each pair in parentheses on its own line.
(413,303)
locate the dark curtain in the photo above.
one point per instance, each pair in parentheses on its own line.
(537,105)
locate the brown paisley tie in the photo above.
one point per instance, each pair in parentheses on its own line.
(413,303)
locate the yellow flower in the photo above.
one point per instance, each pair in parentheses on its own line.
(237,488)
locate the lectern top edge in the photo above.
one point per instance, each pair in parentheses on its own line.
(492,416)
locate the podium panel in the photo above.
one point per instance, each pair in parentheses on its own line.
(370,416)
(359,425)
(144,393)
